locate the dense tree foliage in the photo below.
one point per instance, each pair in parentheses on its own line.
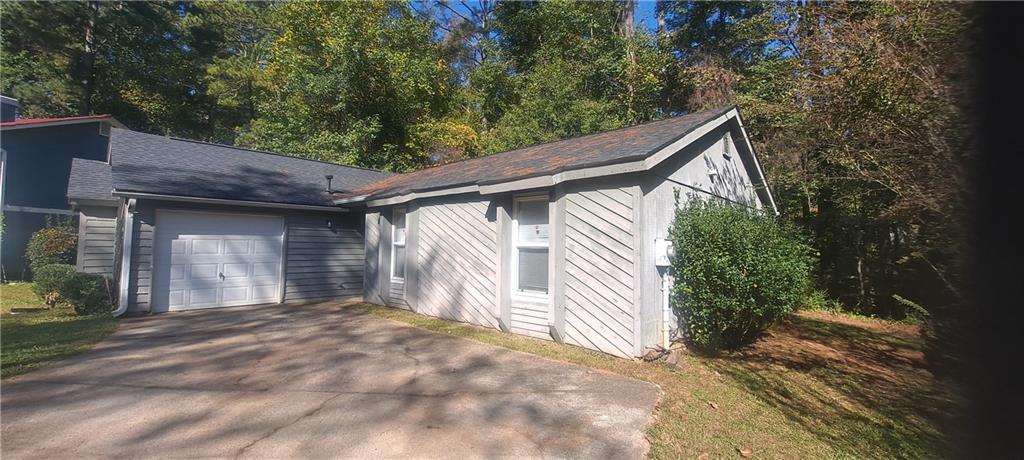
(856,109)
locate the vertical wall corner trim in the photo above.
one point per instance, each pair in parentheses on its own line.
(639,249)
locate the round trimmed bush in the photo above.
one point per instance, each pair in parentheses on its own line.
(736,270)
(87,293)
(50,280)
(51,245)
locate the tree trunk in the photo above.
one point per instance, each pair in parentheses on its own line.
(625,25)
(88,62)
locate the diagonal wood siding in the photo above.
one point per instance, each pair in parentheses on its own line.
(599,270)
(455,258)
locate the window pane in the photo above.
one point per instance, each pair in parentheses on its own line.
(399,262)
(399,227)
(399,236)
(533,270)
(533,222)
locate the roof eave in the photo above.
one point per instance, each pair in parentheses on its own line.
(204,200)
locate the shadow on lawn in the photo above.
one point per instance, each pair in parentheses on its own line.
(854,388)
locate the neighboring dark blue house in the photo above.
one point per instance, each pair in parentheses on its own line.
(35,163)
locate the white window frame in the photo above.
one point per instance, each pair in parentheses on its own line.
(395,213)
(516,245)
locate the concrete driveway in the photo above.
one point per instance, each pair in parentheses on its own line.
(315,381)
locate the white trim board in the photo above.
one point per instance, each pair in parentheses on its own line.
(34,210)
(257,204)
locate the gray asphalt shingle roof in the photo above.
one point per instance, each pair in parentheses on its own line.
(90,180)
(147,163)
(609,147)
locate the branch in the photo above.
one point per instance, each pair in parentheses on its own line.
(453,10)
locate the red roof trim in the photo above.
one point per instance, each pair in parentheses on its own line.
(39,121)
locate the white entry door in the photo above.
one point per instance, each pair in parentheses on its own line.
(204,260)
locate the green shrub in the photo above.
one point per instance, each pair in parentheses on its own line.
(51,245)
(88,293)
(736,272)
(50,280)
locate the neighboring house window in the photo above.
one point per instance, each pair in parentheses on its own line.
(398,245)
(530,257)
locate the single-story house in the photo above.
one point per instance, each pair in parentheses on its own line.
(563,241)
(35,164)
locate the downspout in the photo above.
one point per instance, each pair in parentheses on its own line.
(126,259)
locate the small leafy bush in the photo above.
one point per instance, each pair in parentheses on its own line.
(51,245)
(50,280)
(736,270)
(88,293)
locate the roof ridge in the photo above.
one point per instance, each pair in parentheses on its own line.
(264,152)
(722,109)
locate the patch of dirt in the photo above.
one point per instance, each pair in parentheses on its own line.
(877,325)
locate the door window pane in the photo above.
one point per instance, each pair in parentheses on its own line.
(533,270)
(399,271)
(400,227)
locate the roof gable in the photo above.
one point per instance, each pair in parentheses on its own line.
(635,148)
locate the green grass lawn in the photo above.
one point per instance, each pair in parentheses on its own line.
(817,386)
(32,340)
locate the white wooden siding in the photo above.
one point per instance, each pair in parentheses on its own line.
(457,247)
(530,318)
(97,230)
(599,270)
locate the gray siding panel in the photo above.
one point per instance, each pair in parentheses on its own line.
(322,262)
(457,246)
(142,258)
(599,269)
(97,236)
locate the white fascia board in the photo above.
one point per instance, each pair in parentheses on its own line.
(257,204)
(112,121)
(757,163)
(417,195)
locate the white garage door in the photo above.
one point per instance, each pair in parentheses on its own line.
(204,260)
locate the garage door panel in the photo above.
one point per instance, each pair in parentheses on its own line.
(235,246)
(208,260)
(205,246)
(265,269)
(202,297)
(202,271)
(236,270)
(264,247)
